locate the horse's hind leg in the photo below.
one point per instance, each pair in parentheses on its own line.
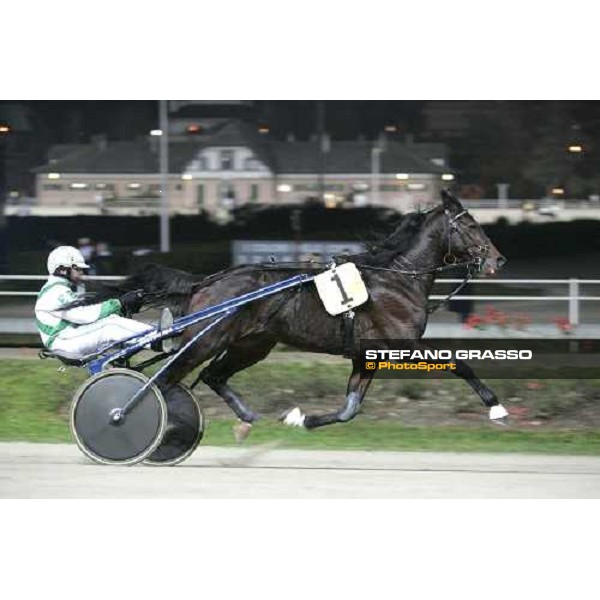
(358,384)
(237,357)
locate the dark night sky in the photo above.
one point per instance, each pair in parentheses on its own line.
(124,119)
(63,120)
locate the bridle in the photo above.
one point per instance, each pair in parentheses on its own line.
(478,253)
(474,265)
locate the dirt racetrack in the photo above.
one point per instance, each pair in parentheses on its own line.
(60,471)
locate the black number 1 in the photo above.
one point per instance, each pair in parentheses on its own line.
(345,300)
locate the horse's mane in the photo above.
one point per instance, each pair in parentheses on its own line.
(397,243)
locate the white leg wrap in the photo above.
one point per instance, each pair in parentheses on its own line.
(295,418)
(498,412)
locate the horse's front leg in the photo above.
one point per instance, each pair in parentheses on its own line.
(497,413)
(358,384)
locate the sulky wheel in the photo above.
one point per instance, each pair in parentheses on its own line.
(185,427)
(124,441)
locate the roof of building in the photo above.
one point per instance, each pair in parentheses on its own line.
(142,155)
(430,150)
(139,156)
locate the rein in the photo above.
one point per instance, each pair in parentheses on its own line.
(431,309)
(415,274)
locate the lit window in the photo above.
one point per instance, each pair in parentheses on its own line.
(105,186)
(134,186)
(79,186)
(284,187)
(416,187)
(402,176)
(186,176)
(330,200)
(53,175)
(447,177)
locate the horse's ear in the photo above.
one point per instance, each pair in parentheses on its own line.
(449,200)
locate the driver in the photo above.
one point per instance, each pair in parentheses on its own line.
(85,329)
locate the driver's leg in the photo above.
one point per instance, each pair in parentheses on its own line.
(117,328)
(89,339)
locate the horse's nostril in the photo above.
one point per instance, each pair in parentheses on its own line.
(501,261)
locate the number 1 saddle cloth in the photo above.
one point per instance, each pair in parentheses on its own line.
(341,288)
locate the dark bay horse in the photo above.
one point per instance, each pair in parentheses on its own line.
(399,273)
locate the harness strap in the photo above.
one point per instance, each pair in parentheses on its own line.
(348,333)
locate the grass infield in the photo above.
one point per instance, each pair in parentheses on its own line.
(35,398)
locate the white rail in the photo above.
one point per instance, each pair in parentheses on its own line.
(43,278)
(573,283)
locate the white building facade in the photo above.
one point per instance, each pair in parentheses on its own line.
(232,165)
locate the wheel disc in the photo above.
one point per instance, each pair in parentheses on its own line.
(185,427)
(135,436)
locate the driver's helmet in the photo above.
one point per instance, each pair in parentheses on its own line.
(65,256)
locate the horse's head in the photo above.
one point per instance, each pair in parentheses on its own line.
(465,240)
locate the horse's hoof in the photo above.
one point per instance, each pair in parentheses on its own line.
(241,431)
(498,415)
(294,418)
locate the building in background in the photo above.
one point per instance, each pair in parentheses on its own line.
(219,160)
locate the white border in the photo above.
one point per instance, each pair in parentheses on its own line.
(464,49)
(287,549)
(299,550)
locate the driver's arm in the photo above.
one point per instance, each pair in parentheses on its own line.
(82,315)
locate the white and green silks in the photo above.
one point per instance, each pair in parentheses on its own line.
(81,330)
